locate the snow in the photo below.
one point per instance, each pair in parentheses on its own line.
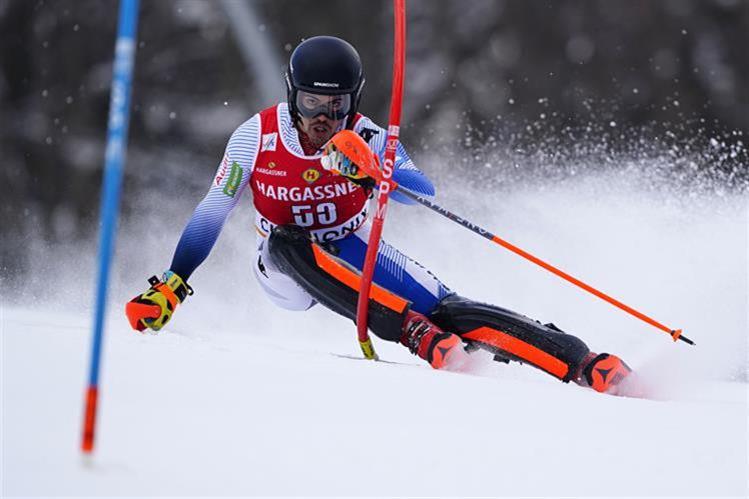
(239,398)
(200,414)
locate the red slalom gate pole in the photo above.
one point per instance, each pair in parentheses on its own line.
(385,185)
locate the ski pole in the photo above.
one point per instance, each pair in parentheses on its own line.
(119,114)
(373,245)
(358,151)
(676,334)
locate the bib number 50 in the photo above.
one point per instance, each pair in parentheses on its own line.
(305,215)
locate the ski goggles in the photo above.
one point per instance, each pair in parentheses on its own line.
(335,107)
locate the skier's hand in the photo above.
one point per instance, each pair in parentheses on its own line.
(155,307)
(334,160)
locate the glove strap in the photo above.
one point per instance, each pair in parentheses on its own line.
(179,286)
(172,286)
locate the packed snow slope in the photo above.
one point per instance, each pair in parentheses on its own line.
(238,397)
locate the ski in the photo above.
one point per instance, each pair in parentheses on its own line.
(355,357)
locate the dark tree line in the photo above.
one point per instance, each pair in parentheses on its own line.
(481,73)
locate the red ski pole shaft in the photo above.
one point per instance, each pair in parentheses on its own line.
(370,259)
(676,334)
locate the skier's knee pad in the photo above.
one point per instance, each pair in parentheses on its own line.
(333,282)
(511,335)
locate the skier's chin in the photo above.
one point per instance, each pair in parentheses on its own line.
(320,134)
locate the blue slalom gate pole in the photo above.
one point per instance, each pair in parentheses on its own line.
(119,117)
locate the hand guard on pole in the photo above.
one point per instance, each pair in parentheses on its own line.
(334,159)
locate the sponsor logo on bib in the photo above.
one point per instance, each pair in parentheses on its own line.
(311,175)
(269,142)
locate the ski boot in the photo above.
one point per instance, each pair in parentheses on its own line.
(604,373)
(441,349)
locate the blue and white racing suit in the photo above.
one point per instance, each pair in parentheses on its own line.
(394,271)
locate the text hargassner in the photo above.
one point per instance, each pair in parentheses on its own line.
(314,193)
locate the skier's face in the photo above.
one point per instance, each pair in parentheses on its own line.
(319,129)
(321,115)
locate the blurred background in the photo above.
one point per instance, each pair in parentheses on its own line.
(498,91)
(608,137)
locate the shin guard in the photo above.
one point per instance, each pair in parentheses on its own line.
(512,336)
(334,283)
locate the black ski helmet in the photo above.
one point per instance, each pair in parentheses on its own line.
(325,65)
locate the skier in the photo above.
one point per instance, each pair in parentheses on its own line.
(312,234)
